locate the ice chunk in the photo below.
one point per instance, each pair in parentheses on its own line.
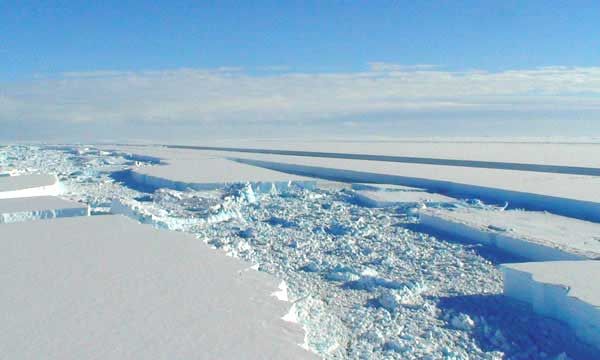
(389,300)
(565,290)
(462,322)
(277,221)
(337,229)
(247,233)
(282,293)
(389,196)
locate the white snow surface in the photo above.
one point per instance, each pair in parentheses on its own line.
(41,207)
(106,287)
(531,235)
(536,151)
(565,290)
(28,186)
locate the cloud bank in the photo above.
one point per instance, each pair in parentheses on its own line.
(234,98)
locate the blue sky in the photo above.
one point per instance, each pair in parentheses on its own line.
(42,37)
(86,65)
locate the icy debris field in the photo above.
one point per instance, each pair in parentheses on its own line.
(366,283)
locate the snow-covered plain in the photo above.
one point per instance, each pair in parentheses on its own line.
(105,287)
(365,282)
(545,165)
(556,152)
(40,207)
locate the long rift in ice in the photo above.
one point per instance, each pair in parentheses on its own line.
(585,210)
(557,169)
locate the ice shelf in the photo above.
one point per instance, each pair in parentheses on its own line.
(39,207)
(28,186)
(565,290)
(537,236)
(521,151)
(107,287)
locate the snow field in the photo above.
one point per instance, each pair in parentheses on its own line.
(106,287)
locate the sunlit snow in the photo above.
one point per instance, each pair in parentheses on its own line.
(365,282)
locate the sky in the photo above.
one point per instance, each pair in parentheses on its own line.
(188,71)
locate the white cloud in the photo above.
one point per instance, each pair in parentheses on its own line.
(227,95)
(385,67)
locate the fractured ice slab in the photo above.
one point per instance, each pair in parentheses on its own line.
(531,235)
(29,185)
(39,207)
(565,290)
(107,287)
(388,196)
